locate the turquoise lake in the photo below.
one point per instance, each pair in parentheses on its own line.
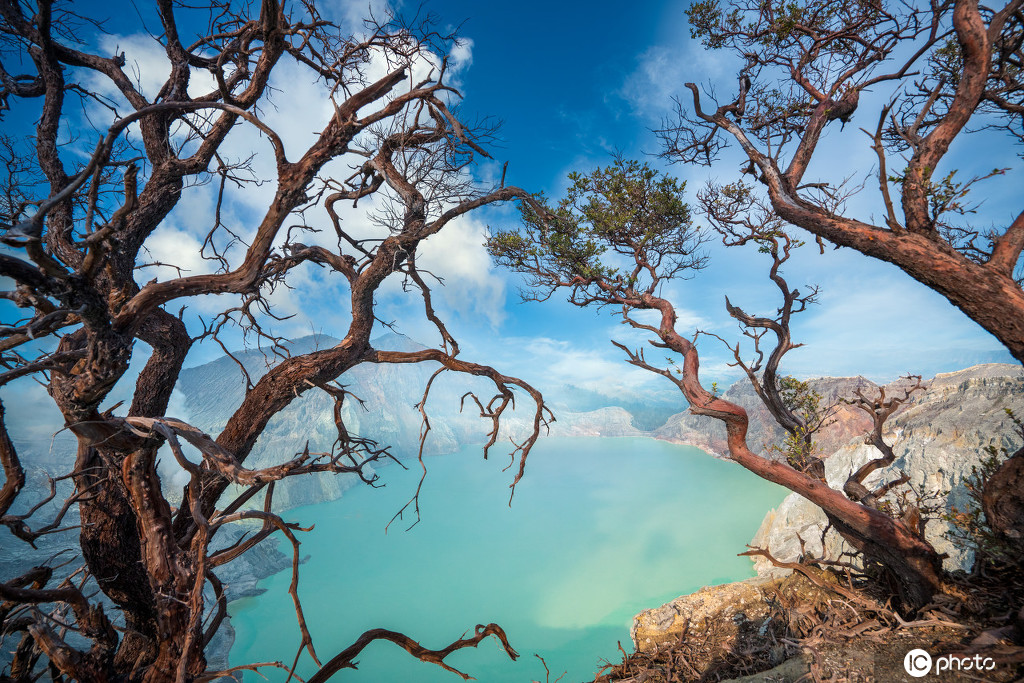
(599,529)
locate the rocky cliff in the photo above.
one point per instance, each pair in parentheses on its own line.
(783,630)
(938,437)
(708,434)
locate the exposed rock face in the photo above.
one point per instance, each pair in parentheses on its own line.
(746,625)
(937,436)
(725,620)
(708,434)
(940,434)
(732,605)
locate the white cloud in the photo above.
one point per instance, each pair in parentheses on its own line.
(145,62)
(661,71)
(601,369)
(172,246)
(352,15)
(461,56)
(457,254)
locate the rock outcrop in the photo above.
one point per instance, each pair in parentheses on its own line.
(722,632)
(601,422)
(736,607)
(708,434)
(787,629)
(718,625)
(938,437)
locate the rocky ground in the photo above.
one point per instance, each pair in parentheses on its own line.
(938,437)
(808,627)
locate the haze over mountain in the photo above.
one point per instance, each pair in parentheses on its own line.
(387,411)
(926,433)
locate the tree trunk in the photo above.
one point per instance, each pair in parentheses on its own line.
(915,565)
(1002,501)
(111,549)
(915,570)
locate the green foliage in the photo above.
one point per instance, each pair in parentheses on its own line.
(968,527)
(801,399)
(774,23)
(947,62)
(619,229)
(562,242)
(797,449)
(806,404)
(628,203)
(947,195)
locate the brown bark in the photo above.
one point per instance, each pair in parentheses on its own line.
(539,250)
(14,473)
(850,51)
(1002,500)
(911,561)
(81,251)
(988,295)
(881,537)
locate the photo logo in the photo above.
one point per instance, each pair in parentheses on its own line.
(917,663)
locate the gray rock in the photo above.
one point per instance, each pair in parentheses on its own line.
(938,437)
(708,434)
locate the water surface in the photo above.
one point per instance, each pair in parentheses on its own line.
(599,529)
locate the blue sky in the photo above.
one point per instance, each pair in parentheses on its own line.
(576,82)
(573,83)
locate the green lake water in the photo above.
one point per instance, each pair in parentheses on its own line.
(598,530)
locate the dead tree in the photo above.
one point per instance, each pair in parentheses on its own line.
(955,70)
(76,217)
(640,220)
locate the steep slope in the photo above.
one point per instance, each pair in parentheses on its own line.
(709,434)
(938,437)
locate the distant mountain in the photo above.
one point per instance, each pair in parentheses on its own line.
(1001,385)
(708,433)
(387,414)
(647,411)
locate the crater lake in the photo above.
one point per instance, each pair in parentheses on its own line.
(598,529)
